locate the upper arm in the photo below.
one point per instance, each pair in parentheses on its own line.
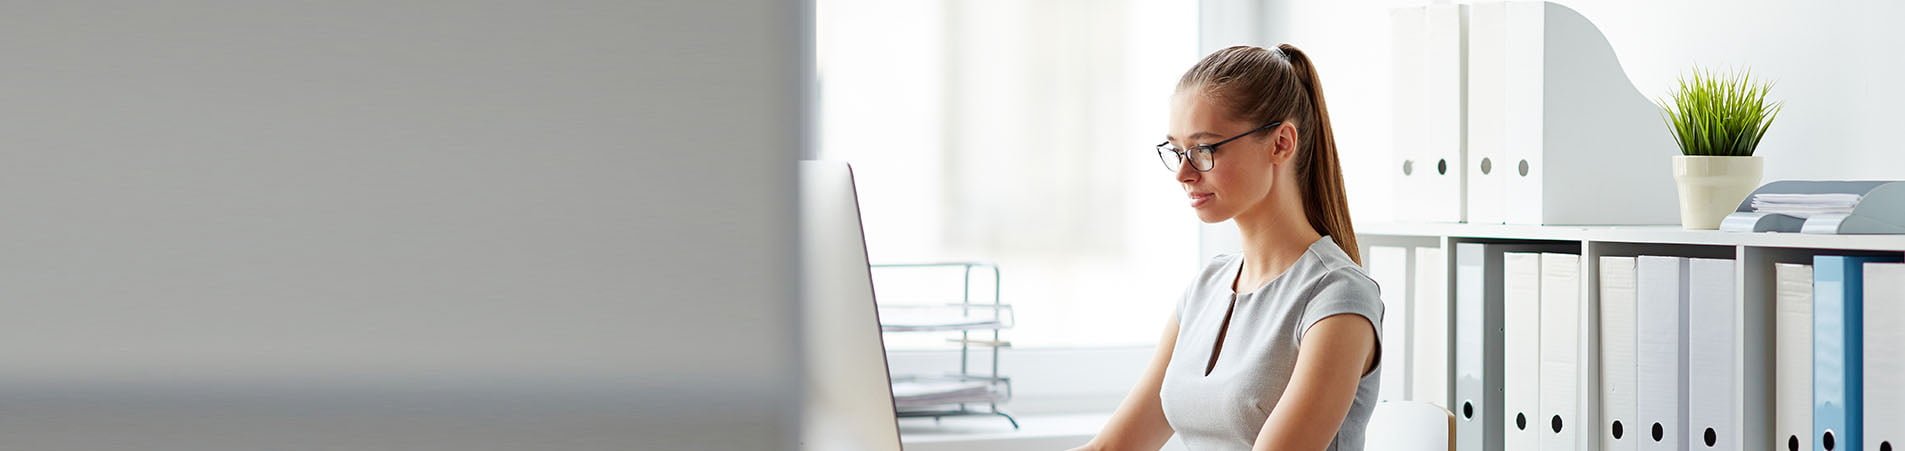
(1331,362)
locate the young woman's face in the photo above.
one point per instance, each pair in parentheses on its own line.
(1241,173)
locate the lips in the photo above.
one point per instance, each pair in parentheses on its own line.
(1199,199)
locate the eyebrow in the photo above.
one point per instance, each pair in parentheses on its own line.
(1193,135)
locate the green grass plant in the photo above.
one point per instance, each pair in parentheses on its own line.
(1719,114)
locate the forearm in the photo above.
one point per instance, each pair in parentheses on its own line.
(1294,429)
(1138,424)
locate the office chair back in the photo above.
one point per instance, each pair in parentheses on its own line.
(1410,426)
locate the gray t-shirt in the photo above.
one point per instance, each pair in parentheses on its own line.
(1225,409)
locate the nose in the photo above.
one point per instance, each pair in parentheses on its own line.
(1187,173)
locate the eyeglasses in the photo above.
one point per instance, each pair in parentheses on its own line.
(1200,155)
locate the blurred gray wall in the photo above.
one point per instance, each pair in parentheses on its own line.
(416,225)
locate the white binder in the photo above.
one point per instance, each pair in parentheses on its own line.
(1521,351)
(1568,375)
(1487,177)
(1618,429)
(1481,288)
(1566,99)
(1884,340)
(1430,344)
(1408,89)
(1661,368)
(1792,330)
(1713,386)
(1389,266)
(1428,112)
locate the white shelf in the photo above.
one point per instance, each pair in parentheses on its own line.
(1660,234)
(1754,256)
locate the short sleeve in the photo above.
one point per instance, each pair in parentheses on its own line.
(1345,291)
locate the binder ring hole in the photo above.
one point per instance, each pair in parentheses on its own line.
(1521,422)
(1711,437)
(1659,432)
(1617,429)
(1468,410)
(1408,167)
(1441,166)
(1885,446)
(1792,443)
(1827,440)
(1523,168)
(1487,165)
(1555,424)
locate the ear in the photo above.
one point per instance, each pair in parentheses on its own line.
(1283,142)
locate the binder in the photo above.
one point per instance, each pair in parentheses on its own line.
(1521,351)
(1661,362)
(1884,338)
(1713,387)
(1389,266)
(1479,327)
(1428,113)
(1565,95)
(1430,361)
(1568,376)
(1478,348)
(1447,116)
(1487,176)
(1619,380)
(1792,355)
(1408,91)
(1837,350)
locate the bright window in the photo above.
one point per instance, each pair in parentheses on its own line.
(1018,132)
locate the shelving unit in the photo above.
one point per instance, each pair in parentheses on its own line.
(966,392)
(1754,255)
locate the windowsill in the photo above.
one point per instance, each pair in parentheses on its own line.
(991,433)
(1036,432)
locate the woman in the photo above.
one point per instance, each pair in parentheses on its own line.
(1276,348)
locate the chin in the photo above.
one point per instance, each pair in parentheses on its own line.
(1211,216)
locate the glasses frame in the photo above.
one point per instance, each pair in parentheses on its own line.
(1208,149)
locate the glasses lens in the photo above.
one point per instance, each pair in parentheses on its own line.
(1169,157)
(1200,158)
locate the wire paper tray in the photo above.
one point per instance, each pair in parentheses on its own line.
(946,317)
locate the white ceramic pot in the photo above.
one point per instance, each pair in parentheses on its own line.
(1712,187)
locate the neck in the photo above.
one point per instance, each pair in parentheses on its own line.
(1275,235)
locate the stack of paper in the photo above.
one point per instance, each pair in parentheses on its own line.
(1805,205)
(942,317)
(915,394)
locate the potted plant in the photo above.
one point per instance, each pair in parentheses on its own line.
(1717,120)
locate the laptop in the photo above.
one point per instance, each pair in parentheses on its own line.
(848,403)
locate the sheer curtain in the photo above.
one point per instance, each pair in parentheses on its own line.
(1017,132)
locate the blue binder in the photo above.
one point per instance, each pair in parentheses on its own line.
(1838,351)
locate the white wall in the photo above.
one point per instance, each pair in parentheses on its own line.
(1833,61)
(398,225)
